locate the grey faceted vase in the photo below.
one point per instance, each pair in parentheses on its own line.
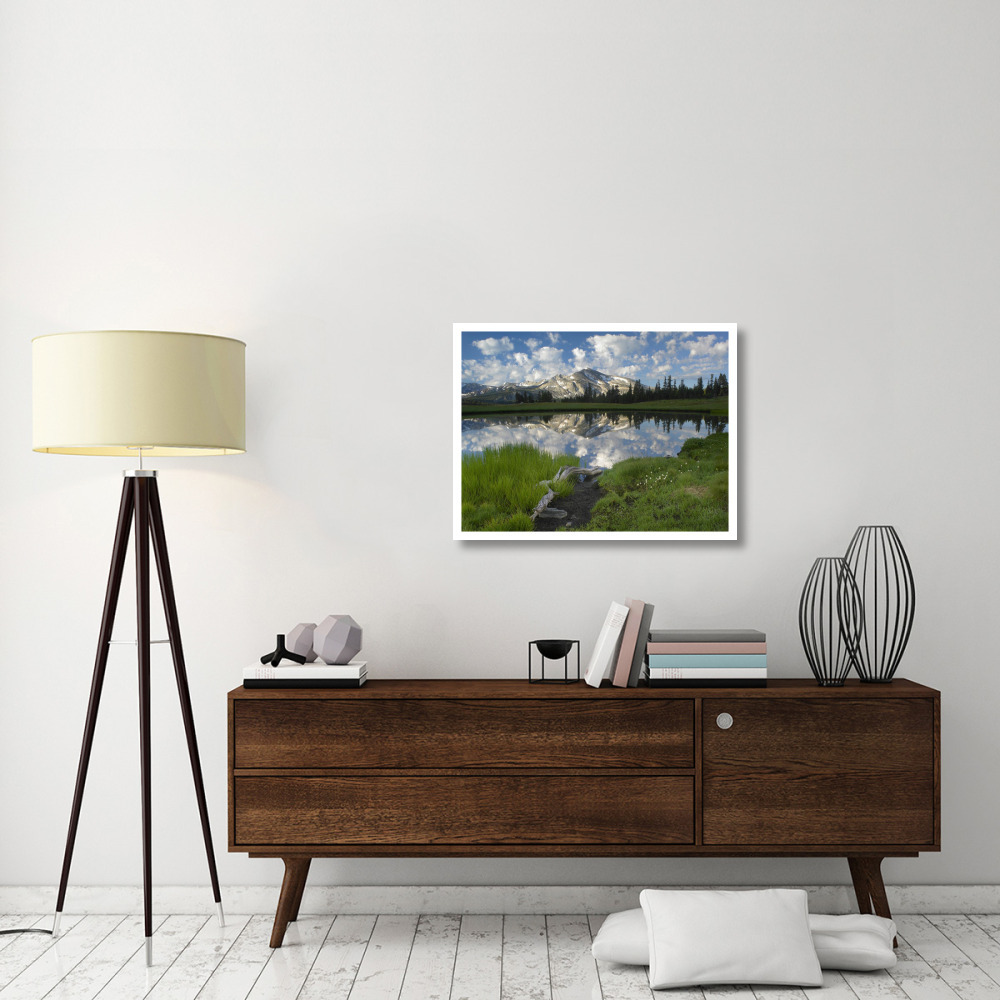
(300,640)
(337,639)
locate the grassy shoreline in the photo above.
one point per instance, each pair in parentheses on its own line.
(712,407)
(502,486)
(686,492)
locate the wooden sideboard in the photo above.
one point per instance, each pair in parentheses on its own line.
(476,768)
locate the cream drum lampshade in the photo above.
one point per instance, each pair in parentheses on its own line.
(113,392)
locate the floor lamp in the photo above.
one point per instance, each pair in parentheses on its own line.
(139,393)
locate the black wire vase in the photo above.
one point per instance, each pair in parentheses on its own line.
(878,562)
(830,615)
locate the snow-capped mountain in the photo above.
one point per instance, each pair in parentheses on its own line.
(560,386)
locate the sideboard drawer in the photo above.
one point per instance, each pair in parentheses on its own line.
(484,808)
(449,733)
(816,771)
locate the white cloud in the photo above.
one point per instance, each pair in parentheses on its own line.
(549,356)
(489,371)
(612,348)
(708,345)
(492,346)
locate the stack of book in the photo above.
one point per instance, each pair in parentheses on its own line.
(306,675)
(620,652)
(726,657)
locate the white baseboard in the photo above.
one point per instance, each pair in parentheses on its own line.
(459,899)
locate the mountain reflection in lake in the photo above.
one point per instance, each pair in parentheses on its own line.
(595,437)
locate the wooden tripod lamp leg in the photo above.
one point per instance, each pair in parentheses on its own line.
(140,507)
(145,756)
(125,512)
(180,674)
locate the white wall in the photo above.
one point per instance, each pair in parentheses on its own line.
(335,183)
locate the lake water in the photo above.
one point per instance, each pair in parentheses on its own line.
(596,438)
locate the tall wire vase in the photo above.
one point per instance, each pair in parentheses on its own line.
(889,597)
(830,615)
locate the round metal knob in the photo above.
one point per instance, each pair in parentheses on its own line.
(724,720)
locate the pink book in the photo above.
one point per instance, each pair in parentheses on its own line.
(706,647)
(630,637)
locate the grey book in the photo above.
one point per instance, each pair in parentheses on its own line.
(707,635)
(639,656)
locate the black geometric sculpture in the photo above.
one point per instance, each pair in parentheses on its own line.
(830,617)
(279,653)
(884,578)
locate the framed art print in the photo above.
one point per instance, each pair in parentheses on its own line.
(587,431)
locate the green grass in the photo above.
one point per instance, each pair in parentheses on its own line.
(687,493)
(718,407)
(500,487)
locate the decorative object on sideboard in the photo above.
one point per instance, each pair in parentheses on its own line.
(554,649)
(707,657)
(830,616)
(337,639)
(282,652)
(602,659)
(878,562)
(306,675)
(139,393)
(628,668)
(300,640)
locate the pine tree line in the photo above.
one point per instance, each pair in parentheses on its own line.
(670,388)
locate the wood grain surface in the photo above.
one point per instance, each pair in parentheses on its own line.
(438,733)
(802,771)
(596,808)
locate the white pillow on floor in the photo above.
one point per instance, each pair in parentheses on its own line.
(623,938)
(721,937)
(859,942)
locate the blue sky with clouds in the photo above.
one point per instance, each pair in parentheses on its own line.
(493,357)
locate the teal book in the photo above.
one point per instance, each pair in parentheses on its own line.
(710,661)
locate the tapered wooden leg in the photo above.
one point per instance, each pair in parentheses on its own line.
(866,873)
(294,882)
(861,889)
(125,512)
(297,901)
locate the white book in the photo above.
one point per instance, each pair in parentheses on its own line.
(604,654)
(707,673)
(306,671)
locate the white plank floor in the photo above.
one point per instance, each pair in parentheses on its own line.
(491,957)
